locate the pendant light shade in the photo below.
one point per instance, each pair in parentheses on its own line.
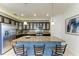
(52,23)
(25,23)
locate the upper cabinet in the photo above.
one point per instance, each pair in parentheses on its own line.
(44,26)
(0,19)
(12,22)
(30,25)
(6,20)
(47,25)
(19,25)
(37,25)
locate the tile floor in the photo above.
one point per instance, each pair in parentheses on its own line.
(10,53)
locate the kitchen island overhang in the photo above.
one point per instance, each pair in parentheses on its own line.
(38,39)
(30,41)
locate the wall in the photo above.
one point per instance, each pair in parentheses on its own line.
(59,29)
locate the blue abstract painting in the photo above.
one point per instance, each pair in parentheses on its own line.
(72,25)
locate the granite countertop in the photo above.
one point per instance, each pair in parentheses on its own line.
(38,39)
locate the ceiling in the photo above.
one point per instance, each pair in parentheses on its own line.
(40,9)
(29,9)
(60,8)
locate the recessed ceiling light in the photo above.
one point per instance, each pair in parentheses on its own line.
(22,14)
(34,14)
(47,14)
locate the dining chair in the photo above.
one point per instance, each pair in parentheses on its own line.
(59,50)
(20,50)
(39,50)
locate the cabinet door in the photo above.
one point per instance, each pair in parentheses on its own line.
(6,20)
(41,25)
(34,25)
(44,25)
(37,25)
(12,22)
(31,25)
(20,26)
(27,26)
(24,27)
(48,26)
(0,19)
(16,25)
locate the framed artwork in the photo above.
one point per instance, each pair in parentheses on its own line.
(72,25)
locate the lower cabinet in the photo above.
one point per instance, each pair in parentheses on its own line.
(20,35)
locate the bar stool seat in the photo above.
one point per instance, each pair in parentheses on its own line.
(59,50)
(39,50)
(20,50)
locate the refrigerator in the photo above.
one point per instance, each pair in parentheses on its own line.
(7,34)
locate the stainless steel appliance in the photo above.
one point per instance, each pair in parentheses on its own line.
(7,33)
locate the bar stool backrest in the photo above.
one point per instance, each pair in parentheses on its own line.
(60,49)
(39,50)
(19,50)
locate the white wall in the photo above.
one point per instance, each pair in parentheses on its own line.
(59,29)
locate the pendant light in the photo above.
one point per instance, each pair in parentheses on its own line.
(25,23)
(52,23)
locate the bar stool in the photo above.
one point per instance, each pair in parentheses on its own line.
(39,50)
(59,50)
(20,50)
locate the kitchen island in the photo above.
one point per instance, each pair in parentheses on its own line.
(30,41)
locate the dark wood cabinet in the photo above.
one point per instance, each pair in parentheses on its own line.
(20,35)
(1,19)
(6,20)
(12,22)
(31,25)
(36,25)
(17,25)
(20,26)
